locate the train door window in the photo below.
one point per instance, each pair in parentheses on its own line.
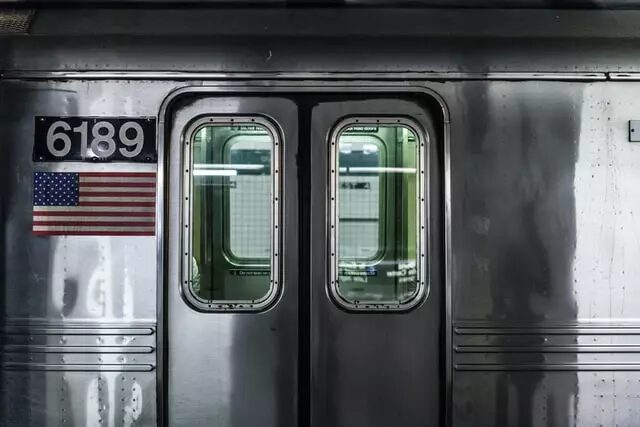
(230,214)
(248,238)
(378,251)
(361,197)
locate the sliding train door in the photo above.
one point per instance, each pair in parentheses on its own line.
(303,282)
(231,306)
(376,356)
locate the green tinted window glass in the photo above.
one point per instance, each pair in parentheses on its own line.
(376,216)
(231,214)
(248,198)
(360,196)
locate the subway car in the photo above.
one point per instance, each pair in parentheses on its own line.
(327,214)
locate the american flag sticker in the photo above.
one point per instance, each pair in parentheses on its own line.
(94,203)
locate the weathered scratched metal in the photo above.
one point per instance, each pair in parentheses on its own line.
(532,315)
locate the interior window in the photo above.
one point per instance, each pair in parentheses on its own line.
(231,215)
(376,216)
(361,196)
(248,198)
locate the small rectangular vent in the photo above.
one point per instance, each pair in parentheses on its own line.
(15,21)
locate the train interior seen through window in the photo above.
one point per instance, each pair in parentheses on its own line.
(231,237)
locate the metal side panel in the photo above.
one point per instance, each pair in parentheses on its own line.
(275,55)
(545,272)
(277,40)
(542,398)
(78,399)
(545,202)
(78,313)
(345,22)
(67,376)
(62,279)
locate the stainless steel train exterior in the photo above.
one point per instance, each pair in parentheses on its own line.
(505,205)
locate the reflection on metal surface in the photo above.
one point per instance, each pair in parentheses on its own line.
(545,311)
(352,354)
(73,349)
(547,349)
(78,313)
(74,328)
(625,76)
(195,75)
(548,366)
(543,262)
(254,355)
(76,367)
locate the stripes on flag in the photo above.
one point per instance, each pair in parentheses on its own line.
(94,203)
